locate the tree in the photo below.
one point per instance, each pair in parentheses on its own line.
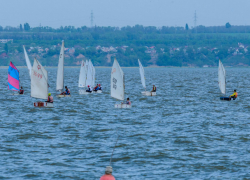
(187,28)
(228,25)
(6,48)
(21,27)
(26,26)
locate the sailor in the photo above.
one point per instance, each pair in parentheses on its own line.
(50,98)
(100,87)
(154,89)
(67,91)
(21,90)
(234,95)
(128,101)
(89,89)
(96,88)
(108,174)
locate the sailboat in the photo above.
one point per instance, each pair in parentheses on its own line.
(27,61)
(82,77)
(117,85)
(146,93)
(222,81)
(13,79)
(39,84)
(60,73)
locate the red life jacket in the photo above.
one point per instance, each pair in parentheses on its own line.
(21,91)
(236,94)
(107,177)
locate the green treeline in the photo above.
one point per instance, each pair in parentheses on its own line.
(165,46)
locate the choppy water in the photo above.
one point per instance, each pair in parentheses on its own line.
(185,132)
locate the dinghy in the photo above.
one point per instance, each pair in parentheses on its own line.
(145,93)
(27,61)
(222,81)
(13,79)
(39,84)
(117,85)
(82,77)
(60,73)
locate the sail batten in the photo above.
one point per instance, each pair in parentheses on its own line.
(60,70)
(222,78)
(83,75)
(27,61)
(39,81)
(141,69)
(117,82)
(13,78)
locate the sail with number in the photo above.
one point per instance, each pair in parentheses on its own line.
(39,81)
(89,75)
(83,75)
(60,70)
(222,78)
(141,69)
(117,81)
(13,78)
(27,60)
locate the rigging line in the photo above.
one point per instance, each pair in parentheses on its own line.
(113,149)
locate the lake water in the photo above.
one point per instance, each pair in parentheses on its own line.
(185,132)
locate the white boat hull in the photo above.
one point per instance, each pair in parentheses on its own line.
(82,91)
(148,93)
(98,91)
(123,106)
(43,104)
(62,95)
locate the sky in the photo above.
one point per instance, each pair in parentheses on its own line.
(119,13)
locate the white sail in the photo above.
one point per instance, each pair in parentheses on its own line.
(222,78)
(27,60)
(60,70)
(83,75)
(141,69)
(87,63)
(39,81)
(117,81)
(93,76)
(89,75)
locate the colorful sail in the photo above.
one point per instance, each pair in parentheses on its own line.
(13,78)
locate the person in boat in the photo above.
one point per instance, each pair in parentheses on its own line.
(100,87)
(50,98)
(127,102)
(96,88)
(21,91)
(89,89)
(108,174)
(234,95)
(154,89)
(67,91)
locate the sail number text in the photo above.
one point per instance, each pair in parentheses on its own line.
(114,83)
(38,75)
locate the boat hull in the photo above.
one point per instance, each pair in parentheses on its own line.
(225,98)
(62,95)
(98,91)
(148,93)
(82,91)
(121,106)
(43,104)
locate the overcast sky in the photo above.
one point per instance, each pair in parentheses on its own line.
(56,13)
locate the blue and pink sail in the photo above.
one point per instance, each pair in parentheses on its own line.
(13,78)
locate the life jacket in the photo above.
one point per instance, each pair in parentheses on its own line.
(154,88)
(236,94)
(21,91)
(51,99)
(107,177)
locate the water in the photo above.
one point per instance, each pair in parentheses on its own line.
(185,132)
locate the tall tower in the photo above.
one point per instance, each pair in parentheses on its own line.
(92,18)
(195,21)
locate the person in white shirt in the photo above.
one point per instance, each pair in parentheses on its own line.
(89,89)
